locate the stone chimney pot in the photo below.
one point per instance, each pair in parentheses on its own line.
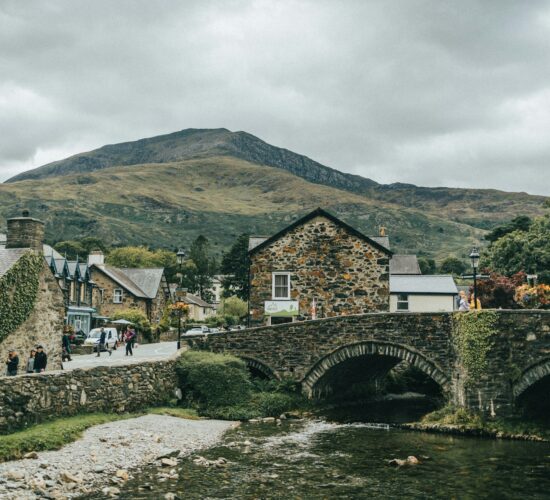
(25,232)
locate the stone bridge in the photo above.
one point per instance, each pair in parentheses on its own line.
(323,354)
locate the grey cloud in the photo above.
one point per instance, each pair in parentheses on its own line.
(422,91)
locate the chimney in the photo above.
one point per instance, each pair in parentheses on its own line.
(25,232)
(96,257)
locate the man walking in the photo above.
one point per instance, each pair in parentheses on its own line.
(40,360)
(101,343)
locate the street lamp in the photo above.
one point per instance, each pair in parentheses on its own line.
(180,292)
(474,257)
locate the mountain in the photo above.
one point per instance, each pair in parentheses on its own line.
(165,190)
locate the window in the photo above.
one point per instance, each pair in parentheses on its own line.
(402,302)
(72,292)
(117,296)
(101,295)
(281,286)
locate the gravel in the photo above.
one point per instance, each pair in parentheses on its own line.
(106,456)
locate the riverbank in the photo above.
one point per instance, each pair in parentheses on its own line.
(107,456)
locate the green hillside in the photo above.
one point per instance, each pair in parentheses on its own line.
(165,190)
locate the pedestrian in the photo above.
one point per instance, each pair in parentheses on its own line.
(40,360)
(129,339)
(463,306)
(101,343)
(12,363)
(30,361)
(66,345)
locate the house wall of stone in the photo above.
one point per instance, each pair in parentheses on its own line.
(107,307)
(44,326)
(343,272)
(28,399)
(158,304)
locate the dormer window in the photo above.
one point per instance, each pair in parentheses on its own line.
(281,286)
(117,296)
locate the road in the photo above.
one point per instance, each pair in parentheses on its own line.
(145,352)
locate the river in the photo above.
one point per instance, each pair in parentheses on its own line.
(324,459)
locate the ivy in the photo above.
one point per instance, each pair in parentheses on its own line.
(18,292)
(474,332)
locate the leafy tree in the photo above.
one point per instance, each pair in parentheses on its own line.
(452,265)
(498,291)
(71,248)
(233,306)
(136,317)
(199,269)
(235,269)
(519,250)
(141,257)
(427,266)
(91,243)
(519,223)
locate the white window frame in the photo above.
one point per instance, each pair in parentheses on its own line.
(400,300)
(280,273)
(115,301)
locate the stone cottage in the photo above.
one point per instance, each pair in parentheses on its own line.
(32,308)
(116,289)
(319,266)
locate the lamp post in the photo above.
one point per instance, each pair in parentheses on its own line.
(180,292)
(474,257)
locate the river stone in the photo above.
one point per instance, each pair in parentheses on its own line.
(122,474)
(168,462)
(31,454)
(15,474)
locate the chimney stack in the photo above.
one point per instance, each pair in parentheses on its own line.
(25,232)
(96,257)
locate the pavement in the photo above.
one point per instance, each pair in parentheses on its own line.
(144,352)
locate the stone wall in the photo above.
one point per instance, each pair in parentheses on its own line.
(344,273)
(29,399)
(44,326)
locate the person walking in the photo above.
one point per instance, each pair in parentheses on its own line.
(463,305)
(66,346)
(12,363)
(40,360)
(101,343)
(129,339)
(30,361)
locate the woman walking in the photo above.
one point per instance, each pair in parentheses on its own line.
(12,364)
(129,338)
(30,362)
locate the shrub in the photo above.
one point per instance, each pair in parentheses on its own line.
(272,404)
(213,380)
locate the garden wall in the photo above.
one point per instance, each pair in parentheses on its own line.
(28,399)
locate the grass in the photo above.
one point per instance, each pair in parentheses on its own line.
(467,420)
(57,433)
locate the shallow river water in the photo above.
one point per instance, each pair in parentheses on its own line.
(313,459)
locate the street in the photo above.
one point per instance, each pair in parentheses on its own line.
(145,352)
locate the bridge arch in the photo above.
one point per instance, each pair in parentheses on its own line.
(373,348)
(254,364)
(531,376)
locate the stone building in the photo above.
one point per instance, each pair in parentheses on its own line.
(32,308)
(116,289)
(317,267)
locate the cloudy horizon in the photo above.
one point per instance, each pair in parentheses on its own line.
(430,93)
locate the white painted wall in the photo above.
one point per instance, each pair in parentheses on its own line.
(425,303)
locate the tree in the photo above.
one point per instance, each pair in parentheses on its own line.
(142,257)
(234,267)
(71,248)
(519,223)
(136,317)
(520,250)
(452,265)
(234,306)
(498,291)
(427,266)
(199,269)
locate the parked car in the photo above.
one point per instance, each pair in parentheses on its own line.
(200,329)
(111,336)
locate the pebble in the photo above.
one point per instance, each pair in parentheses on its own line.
(90,463)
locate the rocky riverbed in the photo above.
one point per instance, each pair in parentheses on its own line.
(107,456)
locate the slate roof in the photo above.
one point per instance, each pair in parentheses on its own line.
(143,283)
(319,212)
(193,299)
(382,240)
(9,257)
(404,264)
(254,241)
(423,284)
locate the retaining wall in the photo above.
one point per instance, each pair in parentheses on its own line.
(32,398)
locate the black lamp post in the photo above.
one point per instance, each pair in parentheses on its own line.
(180,255)
(474,257)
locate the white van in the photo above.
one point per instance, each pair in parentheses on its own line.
(111,337)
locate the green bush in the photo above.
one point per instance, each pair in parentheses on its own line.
(272,404)
(213,380)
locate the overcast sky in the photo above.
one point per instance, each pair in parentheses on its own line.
(453,93)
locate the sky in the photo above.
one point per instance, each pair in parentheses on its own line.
(434,93)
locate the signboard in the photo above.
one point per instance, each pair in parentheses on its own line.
(281,308)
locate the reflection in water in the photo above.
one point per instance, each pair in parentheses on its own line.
(321,459)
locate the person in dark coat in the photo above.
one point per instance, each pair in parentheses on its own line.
(101,343)
(66,345)
(40,360)
(12,363)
